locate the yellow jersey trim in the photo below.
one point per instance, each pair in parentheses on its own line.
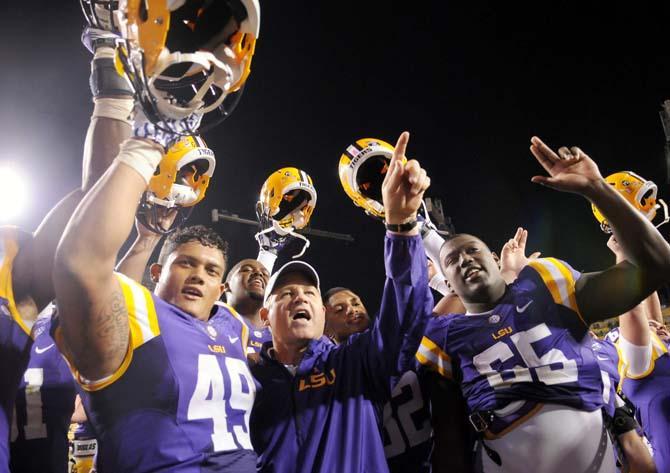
(8,252)
(432,356)
(560,282)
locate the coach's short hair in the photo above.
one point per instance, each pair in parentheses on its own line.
(200,233)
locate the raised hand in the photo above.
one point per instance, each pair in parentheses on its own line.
(164,133)
(162,219)
(403,186)
(513,255)
(571,170)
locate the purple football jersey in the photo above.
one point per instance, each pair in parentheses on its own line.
(15,340)
(650,394)
(533,346)
(608,360)
(181,399)
(44,406)
(257,337)
(407,431)
(325,418)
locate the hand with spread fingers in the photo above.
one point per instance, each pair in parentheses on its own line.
(570,170)
(513,255)
(403,186)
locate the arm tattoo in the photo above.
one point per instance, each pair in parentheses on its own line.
(106,333)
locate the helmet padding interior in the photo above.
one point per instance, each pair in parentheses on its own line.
(370,177)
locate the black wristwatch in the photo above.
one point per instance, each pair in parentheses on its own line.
(401,227)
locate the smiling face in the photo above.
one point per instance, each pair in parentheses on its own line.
(345,315)
(295,310)
(471,270)
(191,278)
(246,282)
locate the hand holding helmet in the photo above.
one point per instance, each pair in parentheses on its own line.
(362,169)
(639,192)
(165,133)
(179,183)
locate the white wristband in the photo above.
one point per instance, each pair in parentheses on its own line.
(267,259)
(141,155)
(114,108)
(438,283)
(432,242)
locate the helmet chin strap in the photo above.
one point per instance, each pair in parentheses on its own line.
(666,218)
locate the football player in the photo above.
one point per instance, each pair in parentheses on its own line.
(244,290)
(316,406)
(43,407)
(164,376)
(345,314)
(631,452)
(644,366)
(523,344)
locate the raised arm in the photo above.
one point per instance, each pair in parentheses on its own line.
(134,263)
(513,256)
(621,287)
(407,300)
(109,126)
(93,315)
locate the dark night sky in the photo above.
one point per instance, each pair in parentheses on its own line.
(472,81)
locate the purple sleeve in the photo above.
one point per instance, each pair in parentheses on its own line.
(388,348)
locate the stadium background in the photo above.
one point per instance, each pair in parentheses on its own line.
(472,82)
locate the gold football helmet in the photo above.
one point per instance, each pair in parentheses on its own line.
(362,169)
(180,182)
(186,56)
(288,197)
(285,204)
(639,192)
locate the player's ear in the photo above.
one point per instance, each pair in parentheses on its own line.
(226,287)
(222,289)
(264,313)
(155,272)
(450,287)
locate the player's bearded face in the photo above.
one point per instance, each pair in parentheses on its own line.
(470,268)
(249,280)
(296,312)
(191,278)
(346,314)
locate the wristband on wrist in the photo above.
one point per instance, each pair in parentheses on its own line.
(140,155)
(267,259)
(114,108)
(105,79)
(438,284)
(623,421)
(401,227)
